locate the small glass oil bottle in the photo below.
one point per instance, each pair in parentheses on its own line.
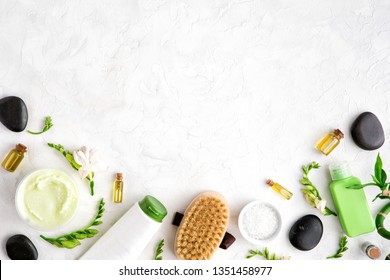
(14,158)
(118,188)
(327,144)
(279,189)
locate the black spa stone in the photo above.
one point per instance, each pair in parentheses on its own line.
(13,113)
(367,131)
(306,233)
(20,247)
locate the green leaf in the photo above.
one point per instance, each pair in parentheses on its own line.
(377,182)
(356,187)
(159,251)
(81,236)
(378,168)
(48,125)
(266,255)
(70,244)
(71,240)
(305,182)
(310,191)
(377,196)
(342,248)
(384,178)
(329,212)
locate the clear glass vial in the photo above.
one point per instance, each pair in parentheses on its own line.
(279,189)
(14,158)
(118,188)
(328,143)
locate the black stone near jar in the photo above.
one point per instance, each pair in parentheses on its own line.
(20,247)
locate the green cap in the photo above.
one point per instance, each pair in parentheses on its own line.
(153,208)
(339,171)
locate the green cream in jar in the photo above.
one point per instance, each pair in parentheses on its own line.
(47,199)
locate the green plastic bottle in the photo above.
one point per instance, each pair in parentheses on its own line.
(351,204)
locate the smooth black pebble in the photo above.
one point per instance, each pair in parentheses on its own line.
(20,247)
(367,131)
(13,113)
(306,233)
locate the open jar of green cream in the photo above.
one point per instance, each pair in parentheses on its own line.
(46,199)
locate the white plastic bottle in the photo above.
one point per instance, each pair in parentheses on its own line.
(129,236)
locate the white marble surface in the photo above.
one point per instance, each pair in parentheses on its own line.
(187,96)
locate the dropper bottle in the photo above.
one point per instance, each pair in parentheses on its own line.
(279,189)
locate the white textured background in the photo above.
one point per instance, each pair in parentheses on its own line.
(186,96)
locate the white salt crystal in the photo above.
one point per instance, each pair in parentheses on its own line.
(260,221)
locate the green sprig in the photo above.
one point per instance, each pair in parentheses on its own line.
(379,179)
(342,248)
(69,157)
(265,254)
(72,239)
(310,191)
(159,251)
(48,125)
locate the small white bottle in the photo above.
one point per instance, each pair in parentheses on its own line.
(129,236)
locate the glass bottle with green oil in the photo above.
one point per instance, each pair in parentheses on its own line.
(328,143)
(279,189)
(118,188)
(14,158)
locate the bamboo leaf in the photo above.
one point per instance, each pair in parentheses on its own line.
(384,178)
(356,187)
(377,182)
(378,168)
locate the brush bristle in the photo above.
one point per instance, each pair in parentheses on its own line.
(203,226)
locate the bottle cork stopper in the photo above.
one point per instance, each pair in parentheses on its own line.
(338,133)
(119,176)
(270,182)
(21,148)
(373,252)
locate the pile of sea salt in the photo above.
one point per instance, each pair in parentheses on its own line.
(260,221)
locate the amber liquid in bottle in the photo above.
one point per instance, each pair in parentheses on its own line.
(118,188)
(327,144)
(14,158)
(279,189)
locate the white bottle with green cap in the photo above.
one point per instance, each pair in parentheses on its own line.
(129,236)
(351,204)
